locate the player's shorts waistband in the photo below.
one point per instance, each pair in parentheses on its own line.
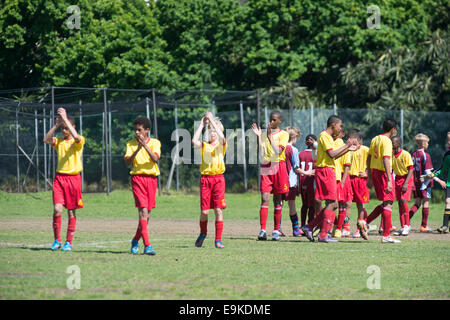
(68,175)
(212,175)
(269,164)
(144,175)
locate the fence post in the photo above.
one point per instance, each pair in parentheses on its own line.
(105,133)
(177,146)
(258,110)
(17,148)
(312,118)
(401,125)
(82,156)
(291,109)
(36,123)
(45,147)
(147,110)
(334,108)
(241,107)
(155,131)
(53,167)
(110,145)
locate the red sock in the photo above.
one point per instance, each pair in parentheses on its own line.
(375,213)
(277,217)
(405,213)
(263,213)
(341,218)
(401,214)
(144,231)
(71,229)
(57,227)
(425,212)
(138,234)
(319,217)
(387,222)
(303,213)
(204,227)
(327,222)
(413,210)
(219,229)
(346,227)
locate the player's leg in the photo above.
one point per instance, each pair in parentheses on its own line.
(278,205)
(339,221)
(219,228)
(304,209)
(57,220)
(387,223)
(328,218)
(346,225)
(425,212)
(444,227)
(143,224)
(294,218)
(71,226)
(416,206)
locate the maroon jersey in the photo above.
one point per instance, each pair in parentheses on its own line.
(306,163)
(288,154)
(422,162)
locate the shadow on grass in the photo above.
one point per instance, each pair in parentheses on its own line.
(76,251)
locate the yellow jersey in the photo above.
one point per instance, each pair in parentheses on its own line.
(339,163)
(359,161)
(380,148)
(213,158)
(324,144)
(280,138)
(69,155)
(401,162)
(143,163)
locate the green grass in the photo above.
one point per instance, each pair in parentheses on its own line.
(246,269)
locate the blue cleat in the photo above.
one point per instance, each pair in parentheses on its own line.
(219,244)
(56,245)
(67,246)
(149,250)
(199,241)
(134,246)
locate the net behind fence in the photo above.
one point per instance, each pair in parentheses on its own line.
(105,116)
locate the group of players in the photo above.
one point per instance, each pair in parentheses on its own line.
(329,170)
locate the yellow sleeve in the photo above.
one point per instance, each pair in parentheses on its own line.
(55,142)
(327,142)
(284,139)
(157,147)
(129,151)
(408,160)
(386,148)
(80,144)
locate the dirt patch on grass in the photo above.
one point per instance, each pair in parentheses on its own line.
(244,229)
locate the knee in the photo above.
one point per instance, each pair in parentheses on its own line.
(57,209)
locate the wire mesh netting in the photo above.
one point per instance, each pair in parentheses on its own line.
(105,116)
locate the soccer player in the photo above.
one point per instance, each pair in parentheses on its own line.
(380,177)
(422,191)
(341,226)
(142,154)
(274,176)
(212,181)
(444,169)
(292,164)
(325,178)
(358,179)
(403,168)
(306,179)
(67,183)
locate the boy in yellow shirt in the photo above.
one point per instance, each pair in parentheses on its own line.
(67,183)
(143,153)
(212,181)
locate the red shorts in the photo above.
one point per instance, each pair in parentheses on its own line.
(307,193)
(380,182)
(212,192)
(144,190)
(345,193)
(326,187)
(274,178)
(399,181)
(67,191)
(422,194)
(292,194)
(360,190)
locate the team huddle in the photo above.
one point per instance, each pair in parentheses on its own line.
(329,175)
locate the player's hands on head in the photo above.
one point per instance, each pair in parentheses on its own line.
(62,113)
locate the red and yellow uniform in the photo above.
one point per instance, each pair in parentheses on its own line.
(359,184)
(144,173)
(67,184)
(401,164)
(381,148)
(345,193)
(274,175)
(212,181)
(325,169)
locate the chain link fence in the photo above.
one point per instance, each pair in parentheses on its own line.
(104,117)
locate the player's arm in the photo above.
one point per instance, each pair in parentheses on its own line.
(369,172)
(129,159)
(151,153)
(387,169)
(62,113)
(348,146)
(48,139)
(276,148)
(196,138)
(257,130)
(408,177)
(345,174)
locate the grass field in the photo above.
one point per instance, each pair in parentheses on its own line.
(293,268)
